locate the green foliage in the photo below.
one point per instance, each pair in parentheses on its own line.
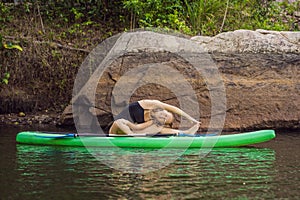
(9,45)
(207,17)
(3,46)
(12,46)
(77,14)
(204,17)
(73,18)
(5,13)
(5,78)
(279,16)
(75,11)
(157,13)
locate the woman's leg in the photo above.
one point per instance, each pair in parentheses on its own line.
(191,130)
(120,126)
(125,126)
(113,129)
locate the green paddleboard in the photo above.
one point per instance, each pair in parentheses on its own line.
(93,140)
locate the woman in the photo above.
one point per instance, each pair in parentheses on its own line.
(149,116)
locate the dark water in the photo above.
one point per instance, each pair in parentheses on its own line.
(266,171)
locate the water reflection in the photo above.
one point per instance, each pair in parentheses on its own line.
(75,173)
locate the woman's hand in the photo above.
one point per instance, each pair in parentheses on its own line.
(195,121)
(193,129)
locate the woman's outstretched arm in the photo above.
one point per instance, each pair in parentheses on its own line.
(151,104)
(191,130)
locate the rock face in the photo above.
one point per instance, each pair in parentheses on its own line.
(257,72)
(245,41)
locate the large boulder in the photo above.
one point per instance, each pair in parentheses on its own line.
(246,41)
(259,69)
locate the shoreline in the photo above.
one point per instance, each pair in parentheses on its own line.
(28,119)
(51,119)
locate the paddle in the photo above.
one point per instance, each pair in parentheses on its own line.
(196,135)
(57,136)
(75,135)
